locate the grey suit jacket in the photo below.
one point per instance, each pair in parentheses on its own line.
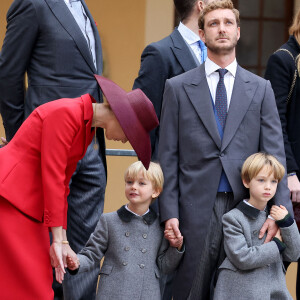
(252,269)
(192,154)
(160,61)
(44,40)
(135,252)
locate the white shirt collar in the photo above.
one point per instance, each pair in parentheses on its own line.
(189,36)
(246,201)
(211,67)
(126,206)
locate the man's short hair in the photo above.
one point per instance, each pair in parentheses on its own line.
(218,4)
(153,174)
(255,163)
(185,7)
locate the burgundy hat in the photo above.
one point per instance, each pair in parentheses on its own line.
(135,113)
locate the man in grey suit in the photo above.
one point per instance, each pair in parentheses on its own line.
(212,119)
(57,44)
(175,54)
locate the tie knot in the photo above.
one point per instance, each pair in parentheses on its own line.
(222,72)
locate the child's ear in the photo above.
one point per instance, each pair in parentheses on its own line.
(156,194)
(246,184)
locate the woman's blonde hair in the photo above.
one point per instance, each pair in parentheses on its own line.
(255,163)
(295,27)
(154,174)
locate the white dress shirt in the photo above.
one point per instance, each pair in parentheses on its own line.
(191,38)
(213,78)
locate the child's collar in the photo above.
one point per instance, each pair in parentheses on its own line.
(127,216)
(249,211)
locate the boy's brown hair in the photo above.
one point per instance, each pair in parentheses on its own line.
(255,162)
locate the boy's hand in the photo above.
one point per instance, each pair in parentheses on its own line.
(172,232)
(175,242)
(278,212)
(72,263)
(278,235)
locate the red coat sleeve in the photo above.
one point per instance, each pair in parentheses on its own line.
(59,130)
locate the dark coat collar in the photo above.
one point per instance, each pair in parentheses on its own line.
(248,210)
(127,216)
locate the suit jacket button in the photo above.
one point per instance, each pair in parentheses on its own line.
(124,264)
(145,235)
(143,250)
(127,233)
(126,248)
(142,266)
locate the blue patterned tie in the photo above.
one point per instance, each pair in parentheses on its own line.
(203,51)
(221,98)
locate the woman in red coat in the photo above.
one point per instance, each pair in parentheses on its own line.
(35,170)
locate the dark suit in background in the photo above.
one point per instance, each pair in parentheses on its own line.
(44,40)
(160,61)
(280,71)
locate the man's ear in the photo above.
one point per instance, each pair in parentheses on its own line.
(200,6)
(202,35)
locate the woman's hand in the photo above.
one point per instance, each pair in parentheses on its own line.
(57,260)
(69,255)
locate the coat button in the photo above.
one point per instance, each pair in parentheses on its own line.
(145,235)
(124,263)
(142,266)
(143,250)
(145,222)
(127,233)
(126,248)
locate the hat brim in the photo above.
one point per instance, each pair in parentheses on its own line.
(136,134)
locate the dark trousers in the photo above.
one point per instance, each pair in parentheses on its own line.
(213,253)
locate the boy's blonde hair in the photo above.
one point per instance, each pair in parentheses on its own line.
(255,162)
(218,4)
(154,174)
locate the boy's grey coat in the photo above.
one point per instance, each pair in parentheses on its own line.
(252,269)
(135,251)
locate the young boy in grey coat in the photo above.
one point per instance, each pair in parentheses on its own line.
(132,242)
(252,269)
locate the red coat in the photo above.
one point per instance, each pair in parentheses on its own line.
(37,164)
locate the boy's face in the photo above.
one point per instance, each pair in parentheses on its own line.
(139,191)
(262,188)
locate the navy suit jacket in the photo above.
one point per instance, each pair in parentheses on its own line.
(44,41)
(160,61)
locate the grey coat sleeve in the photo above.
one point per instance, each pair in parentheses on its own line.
(240,254)
(95,247)
(19,41)
(291,237)
(168,257)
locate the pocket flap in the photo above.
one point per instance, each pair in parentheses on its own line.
(227,265)
(106,269)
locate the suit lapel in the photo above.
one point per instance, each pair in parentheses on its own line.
(98,47)
(242,95)
(199,95)
(66,19)
(182,52)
